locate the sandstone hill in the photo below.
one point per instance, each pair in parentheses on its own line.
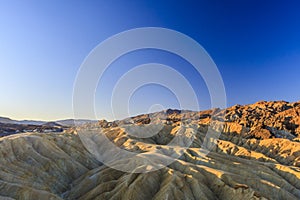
(256,156)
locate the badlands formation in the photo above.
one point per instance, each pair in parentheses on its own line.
(256,156)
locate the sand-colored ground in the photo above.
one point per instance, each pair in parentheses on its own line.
(257,156)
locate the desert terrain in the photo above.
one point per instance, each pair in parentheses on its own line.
(256,155)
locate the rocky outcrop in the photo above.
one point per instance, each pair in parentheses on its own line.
(275,119)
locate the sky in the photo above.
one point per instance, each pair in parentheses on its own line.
(255,45)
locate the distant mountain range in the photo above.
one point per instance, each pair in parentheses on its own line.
(64,122)
(9,126)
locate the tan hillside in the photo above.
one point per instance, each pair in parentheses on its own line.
(257,156)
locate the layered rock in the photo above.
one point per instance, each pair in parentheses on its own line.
(255,156)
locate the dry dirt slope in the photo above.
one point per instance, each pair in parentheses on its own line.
(257,156)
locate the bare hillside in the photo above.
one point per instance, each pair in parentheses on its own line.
(256,156)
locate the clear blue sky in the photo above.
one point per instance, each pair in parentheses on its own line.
(255,44)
